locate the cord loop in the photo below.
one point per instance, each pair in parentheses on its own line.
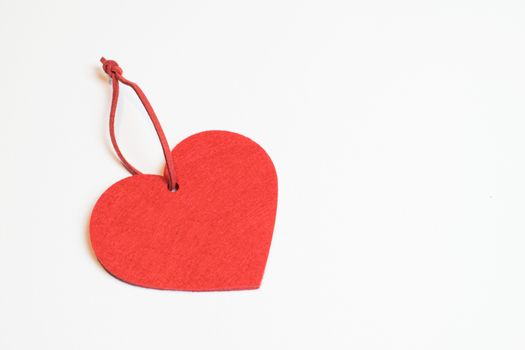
(115,73)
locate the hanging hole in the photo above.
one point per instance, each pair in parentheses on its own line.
(175,189)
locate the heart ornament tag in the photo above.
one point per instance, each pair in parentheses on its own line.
(205,225)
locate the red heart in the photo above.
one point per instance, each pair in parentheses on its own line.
(214,233)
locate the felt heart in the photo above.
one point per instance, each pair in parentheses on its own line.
(213,233)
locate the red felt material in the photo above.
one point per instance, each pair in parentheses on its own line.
(214,233)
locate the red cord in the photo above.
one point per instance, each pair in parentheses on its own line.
(115,73)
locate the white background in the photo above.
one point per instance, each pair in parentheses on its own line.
(397,129)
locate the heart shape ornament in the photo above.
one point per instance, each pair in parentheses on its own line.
(211,232)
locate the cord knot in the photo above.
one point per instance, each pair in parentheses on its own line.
(111,67)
